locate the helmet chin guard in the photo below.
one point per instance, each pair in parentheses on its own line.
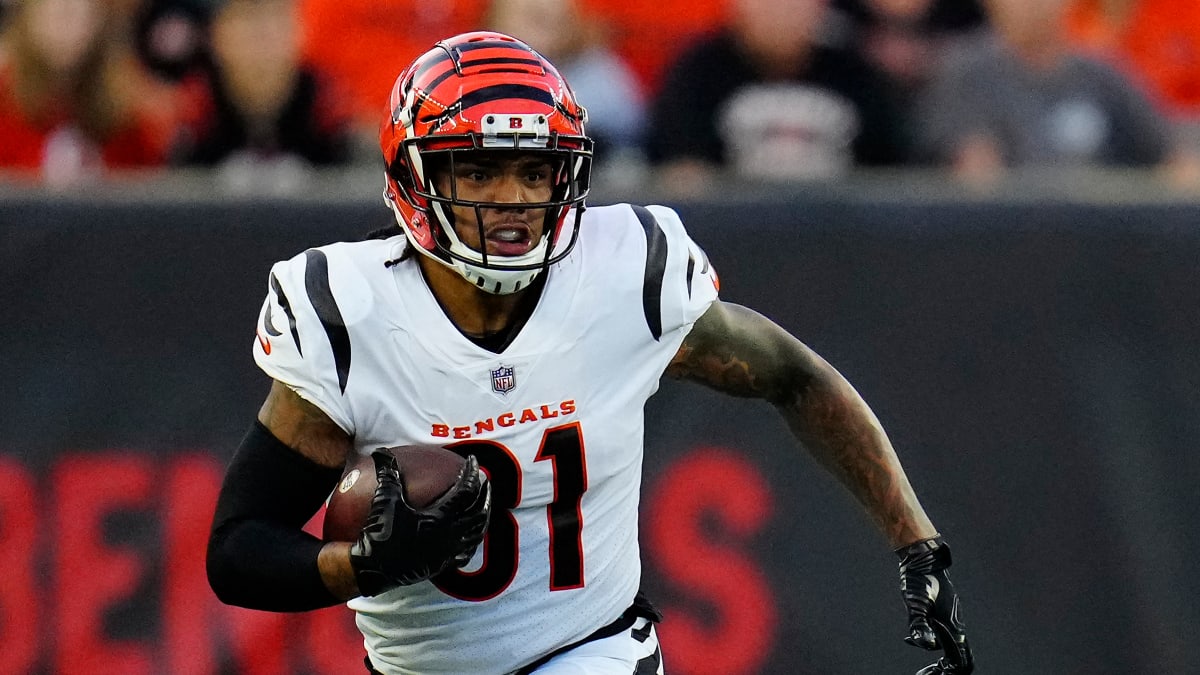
(509,276)
(483,92)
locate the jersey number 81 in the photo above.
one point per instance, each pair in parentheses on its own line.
(562,446)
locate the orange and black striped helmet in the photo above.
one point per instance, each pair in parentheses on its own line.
(483,91)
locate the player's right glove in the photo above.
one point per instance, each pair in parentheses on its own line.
(933,618)
(400,545)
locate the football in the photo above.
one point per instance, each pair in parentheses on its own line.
(427,471)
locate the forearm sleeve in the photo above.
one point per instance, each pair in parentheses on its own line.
(258,555)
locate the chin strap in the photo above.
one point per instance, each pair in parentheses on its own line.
(494,281)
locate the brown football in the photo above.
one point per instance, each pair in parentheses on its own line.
(427,471)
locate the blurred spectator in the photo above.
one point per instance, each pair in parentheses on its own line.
(171,35)
(1019,96)
(74,99)
(905,39)
(650,34)
(602,81)
(261,115)
(1158,41)
(363,45)
(766,98)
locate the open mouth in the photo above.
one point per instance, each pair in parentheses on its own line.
(509,239)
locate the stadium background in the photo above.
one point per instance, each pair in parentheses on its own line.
(1032,352)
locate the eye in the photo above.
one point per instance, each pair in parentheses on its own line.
(538,174)
(476,174)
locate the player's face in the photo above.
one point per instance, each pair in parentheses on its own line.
(501,177)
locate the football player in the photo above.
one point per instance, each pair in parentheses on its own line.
(504,320)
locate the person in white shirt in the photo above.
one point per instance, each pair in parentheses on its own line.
(505,320)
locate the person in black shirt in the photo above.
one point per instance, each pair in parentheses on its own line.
(766,96)
(259,113)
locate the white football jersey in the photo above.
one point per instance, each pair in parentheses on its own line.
(556,421)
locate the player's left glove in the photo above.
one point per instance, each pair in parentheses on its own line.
(933,614)
(401,545)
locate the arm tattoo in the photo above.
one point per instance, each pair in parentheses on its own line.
(741,353)
(304,427)
(842,433)
(726,373)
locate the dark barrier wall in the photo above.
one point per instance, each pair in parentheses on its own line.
(1034,362)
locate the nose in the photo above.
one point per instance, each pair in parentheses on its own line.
(510,189)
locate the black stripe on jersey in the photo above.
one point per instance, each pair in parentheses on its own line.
(286,305)
(656,267)
(690,268)
(269,319)
(316,283)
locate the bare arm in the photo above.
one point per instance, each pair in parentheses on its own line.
(306,429)
(739,352)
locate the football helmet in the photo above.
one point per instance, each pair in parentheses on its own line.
(483,91)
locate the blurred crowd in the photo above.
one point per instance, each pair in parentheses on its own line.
(264,92)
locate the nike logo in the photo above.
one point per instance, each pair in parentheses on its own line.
(263,342)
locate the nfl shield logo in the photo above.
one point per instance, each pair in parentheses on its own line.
(503,380)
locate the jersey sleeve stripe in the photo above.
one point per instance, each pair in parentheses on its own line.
(656,268)
(269,318)
(286,306)
(691,267)
(316,283)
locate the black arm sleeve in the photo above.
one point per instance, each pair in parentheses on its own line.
(258,555)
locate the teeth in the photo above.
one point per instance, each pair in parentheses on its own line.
(509,235)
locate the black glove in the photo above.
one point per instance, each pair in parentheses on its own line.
(400,545)
(933,614)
